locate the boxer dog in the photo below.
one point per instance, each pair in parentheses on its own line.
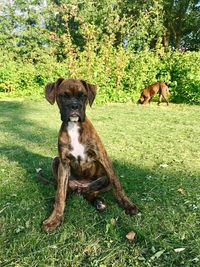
(149,92)
(82,164)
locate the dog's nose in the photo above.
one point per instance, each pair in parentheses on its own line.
(74,106)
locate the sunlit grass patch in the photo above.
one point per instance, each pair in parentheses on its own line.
(155,151)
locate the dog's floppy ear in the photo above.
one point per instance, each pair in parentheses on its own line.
(50,90)
(91,90)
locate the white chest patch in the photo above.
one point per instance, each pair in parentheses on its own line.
(78,150)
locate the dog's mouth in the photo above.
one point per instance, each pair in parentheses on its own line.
(74,116)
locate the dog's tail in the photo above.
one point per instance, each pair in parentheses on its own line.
(167,90)
(167,87)
(42,179)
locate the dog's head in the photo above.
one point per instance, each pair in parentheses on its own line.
(141,100)
(71,96)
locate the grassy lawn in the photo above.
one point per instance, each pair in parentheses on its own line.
(156,153)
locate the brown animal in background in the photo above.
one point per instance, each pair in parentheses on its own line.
(82,164)
(149,92)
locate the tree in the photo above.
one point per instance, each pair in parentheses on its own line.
(22,28)
(181,22)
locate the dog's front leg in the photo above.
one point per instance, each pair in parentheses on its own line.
(124,201)
(56,217)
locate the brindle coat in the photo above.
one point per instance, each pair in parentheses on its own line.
(149,92)
(89,176)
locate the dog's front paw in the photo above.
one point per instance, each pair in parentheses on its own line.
(131,209)
(51,224)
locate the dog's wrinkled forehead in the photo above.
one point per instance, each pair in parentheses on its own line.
(72,87)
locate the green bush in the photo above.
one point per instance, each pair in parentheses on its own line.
(185,76)
(119,74)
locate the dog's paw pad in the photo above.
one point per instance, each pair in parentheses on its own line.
(100,205)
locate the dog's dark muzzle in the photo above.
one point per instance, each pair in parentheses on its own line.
(75,105)
(75,109)
(73,112)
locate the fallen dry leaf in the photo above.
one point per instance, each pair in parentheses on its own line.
(181,191)
(131,236)
(164,165)
(179,249)
(157,254)
(38,170)
(113,221)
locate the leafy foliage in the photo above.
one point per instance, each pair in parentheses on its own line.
(119,45)
(120,75)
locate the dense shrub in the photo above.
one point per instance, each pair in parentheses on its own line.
(119,74)
(185,77)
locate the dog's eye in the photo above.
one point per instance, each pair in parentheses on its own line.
(66,95)
(80,94)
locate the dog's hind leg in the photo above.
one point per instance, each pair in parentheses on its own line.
(97,202)
(159,100)
(96,187)
(165,98)
(101,184)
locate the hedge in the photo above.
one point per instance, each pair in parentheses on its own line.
(119,74)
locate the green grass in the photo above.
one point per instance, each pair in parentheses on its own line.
(155,150)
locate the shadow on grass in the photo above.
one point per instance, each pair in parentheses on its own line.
(23,132)
(14,122)
(137,182)
(163,209)
(155,193)
(141,184)
(26,159)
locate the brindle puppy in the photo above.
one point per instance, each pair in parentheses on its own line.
(82,164)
